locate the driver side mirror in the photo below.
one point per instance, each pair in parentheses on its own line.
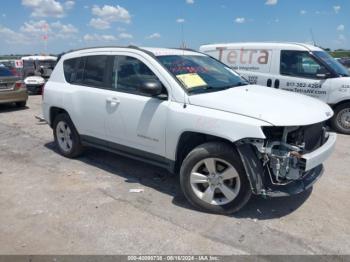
(323,74)
(152,87)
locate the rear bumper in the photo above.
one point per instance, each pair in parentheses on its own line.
(35,88)
(12,96)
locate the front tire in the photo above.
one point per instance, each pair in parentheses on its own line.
(66,137)
(341,119)
(214,180)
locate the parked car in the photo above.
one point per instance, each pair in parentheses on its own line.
(12,89)
(187,112)
(12,65)
(345,62)
(36,71)
(299,68)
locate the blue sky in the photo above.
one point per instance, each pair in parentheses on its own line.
(72,24)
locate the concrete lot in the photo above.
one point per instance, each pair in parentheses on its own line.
(53,205)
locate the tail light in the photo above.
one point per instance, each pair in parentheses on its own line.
(19,85)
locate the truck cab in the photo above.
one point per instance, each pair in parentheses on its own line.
(300,68)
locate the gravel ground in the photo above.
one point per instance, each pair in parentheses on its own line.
(53,205)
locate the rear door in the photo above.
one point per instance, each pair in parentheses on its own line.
(89,93)
(300,72)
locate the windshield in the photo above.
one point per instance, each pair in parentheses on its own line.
(47,64)
(330,61)
(201,73)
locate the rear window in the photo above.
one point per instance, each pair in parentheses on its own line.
(95,70)
(5,72)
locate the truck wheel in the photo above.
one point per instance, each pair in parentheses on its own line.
(341,119)
(213,179)
(66,137)
(21,104)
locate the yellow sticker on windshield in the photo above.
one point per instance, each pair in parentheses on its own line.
(191,80)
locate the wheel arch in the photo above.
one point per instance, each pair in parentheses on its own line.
(188,140)
(346,101)
(54,112)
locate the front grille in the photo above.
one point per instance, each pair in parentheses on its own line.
(312,136)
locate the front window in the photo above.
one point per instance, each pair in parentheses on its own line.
(301,64)
(331,62)
(200,74)
(50,64)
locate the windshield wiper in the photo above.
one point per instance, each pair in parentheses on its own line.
(215,89)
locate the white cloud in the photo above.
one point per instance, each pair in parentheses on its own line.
(108,38)
(340,27)
(180,20)
(99,23)
(303,12)
(240,20)
(12,37)
(44,8)
(153,36)
(342,38)
(271,2)
(35,27)
(112,13)
(89,37)
(336,8)
(190,2)
(64,28)
(35,30)
(125,36)
(69,5)
(3,15)
(99,38)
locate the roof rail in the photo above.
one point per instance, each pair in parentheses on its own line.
(100,47)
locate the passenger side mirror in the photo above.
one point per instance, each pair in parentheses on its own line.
(152,87)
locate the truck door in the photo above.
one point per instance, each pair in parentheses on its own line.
(300,72)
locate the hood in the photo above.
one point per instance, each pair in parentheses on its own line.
(277,107)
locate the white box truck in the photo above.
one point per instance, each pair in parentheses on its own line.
(296,67)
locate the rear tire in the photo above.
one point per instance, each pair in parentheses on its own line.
(66,137)
(214,180)
(21,104)
(341,119)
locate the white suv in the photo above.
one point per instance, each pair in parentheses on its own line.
(189,113)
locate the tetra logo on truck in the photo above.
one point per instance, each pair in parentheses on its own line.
(245,59)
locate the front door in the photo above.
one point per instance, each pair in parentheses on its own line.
(139,121)
(302,73)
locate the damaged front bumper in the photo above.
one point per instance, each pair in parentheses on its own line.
(282,171)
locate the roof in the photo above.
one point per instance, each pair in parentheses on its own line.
(171,51)
(40,58)
(265,45)
(150,50)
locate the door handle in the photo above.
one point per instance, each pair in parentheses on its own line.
(277,83)
(113,101)
(269,83)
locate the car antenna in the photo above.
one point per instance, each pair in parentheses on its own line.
(312,37)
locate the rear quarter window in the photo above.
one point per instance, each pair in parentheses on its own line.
(74,70)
